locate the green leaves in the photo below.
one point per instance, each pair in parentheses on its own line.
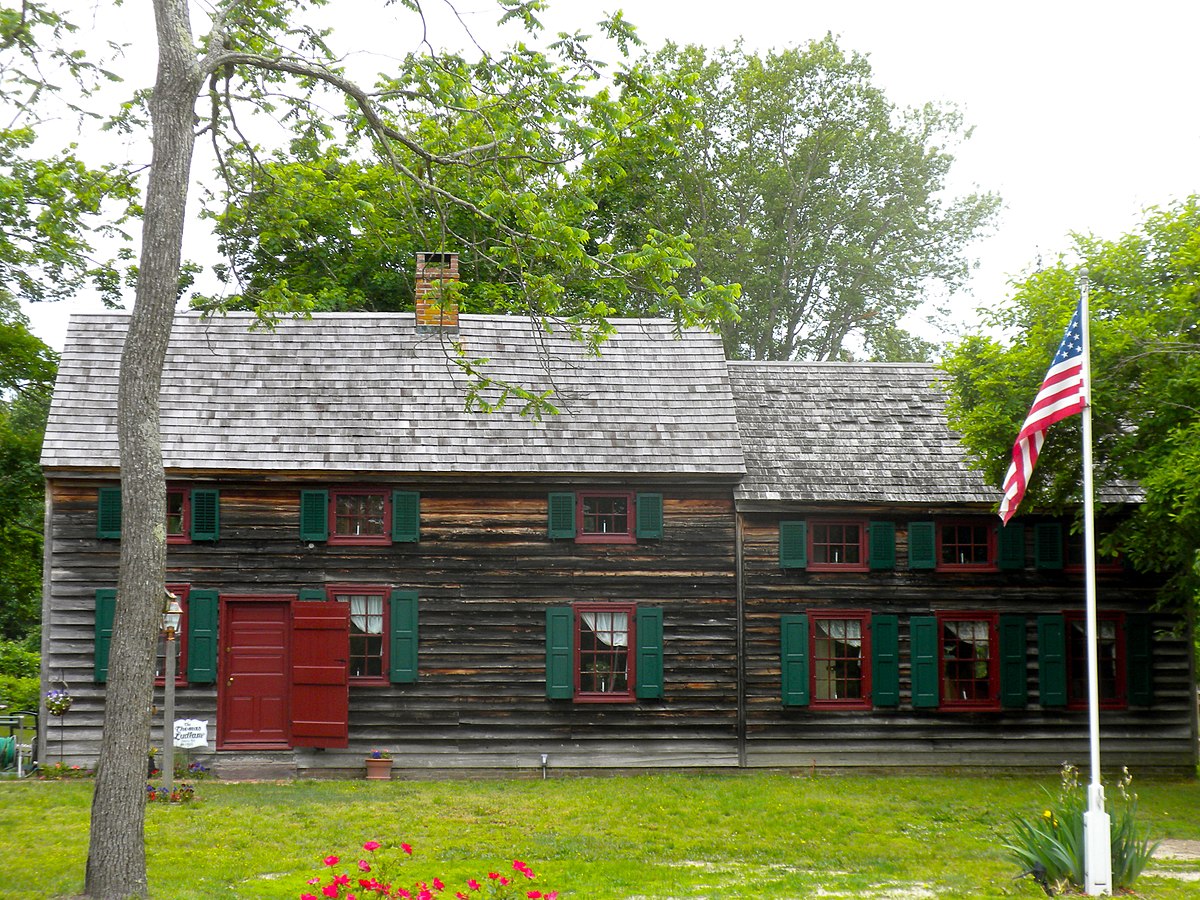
(1145,351)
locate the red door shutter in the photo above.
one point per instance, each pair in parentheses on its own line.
(320,674)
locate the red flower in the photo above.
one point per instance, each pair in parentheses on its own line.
(534,895)
(522,868)
(494,875)
(407,848)
(307,896)
(372,845)
(474,885)
(340,879)
(331,860)
(330,890)
(438,885)
(459,895)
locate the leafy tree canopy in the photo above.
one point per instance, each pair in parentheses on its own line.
(796,178)
(1145,352)
(52,205)
(27,370)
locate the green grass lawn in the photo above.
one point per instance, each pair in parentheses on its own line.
(649,837)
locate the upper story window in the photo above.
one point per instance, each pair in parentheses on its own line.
(193,514)
(1110,647)
(1074,556)
(837,545)
(359,517)
(969,660)
(605,517)
(966,545)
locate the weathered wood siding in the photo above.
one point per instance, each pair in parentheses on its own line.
(1162,736)
(485,573)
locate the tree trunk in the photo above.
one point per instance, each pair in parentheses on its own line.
(116,866)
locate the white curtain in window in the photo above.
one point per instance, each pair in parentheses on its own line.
(366,613)
(610,628)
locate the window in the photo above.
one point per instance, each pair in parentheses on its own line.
(604,653)
(969,661)
(966,545)
(368,652)
(841,646)
(604,517)
(178,516)
(837,545)
(181,642)
(363,516)
(192,514)
(1074,556)
(603,663)
(359,517)
(1110,646)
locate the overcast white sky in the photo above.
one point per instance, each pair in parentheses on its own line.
(1084,112)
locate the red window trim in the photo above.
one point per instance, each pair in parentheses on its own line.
(372,540)
(863,565)
(864,619)
(628,695)
(1121,700)
(383,591)
(629,536)
(992,564)
(181,591)
(993,701)
(184,536)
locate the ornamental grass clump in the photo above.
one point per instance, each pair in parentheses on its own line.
(372,876)
(1050,846)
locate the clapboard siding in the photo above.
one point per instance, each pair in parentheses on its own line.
(485,573)
(1159,737)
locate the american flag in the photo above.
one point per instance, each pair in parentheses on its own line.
(1062,394)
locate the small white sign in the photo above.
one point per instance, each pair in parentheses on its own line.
(191,733)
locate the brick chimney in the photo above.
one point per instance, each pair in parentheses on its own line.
(435,272)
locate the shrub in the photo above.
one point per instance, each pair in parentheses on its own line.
(1051,845)
(17,661)
(19,693)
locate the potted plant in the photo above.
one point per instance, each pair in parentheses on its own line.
(379,765)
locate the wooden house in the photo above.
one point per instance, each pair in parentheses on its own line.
(695,564)
(889,621)
(364,564)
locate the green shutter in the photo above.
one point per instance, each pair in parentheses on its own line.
(793,545)
(1048,545)
(560,515)
(881,545)
(649,653)
(406,517)
(1052,661)
(560,653)
(1010,547)
(793,659)
(108,512)
(1014,656)
(402,656)
(922,546)
(923,650)
(650,516)
(1139,659)
(885,660)
(206,514)
(202,635)
(106,605)
(309,594)
(314,515)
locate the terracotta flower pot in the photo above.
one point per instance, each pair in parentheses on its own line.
(379,769)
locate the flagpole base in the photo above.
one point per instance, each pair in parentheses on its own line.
(1097,845)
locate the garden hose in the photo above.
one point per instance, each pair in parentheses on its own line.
(8,751)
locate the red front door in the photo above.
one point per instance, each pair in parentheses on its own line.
(252,699)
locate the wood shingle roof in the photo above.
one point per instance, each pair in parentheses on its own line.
(850,432)
(350,393)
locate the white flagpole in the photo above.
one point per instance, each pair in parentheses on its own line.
(1097,827)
